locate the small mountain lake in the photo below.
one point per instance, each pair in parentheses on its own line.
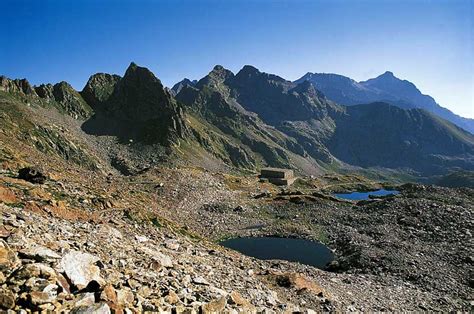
(293,250)
(357,196)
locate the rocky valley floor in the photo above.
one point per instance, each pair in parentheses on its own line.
(94,242)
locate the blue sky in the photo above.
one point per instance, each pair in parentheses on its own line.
(427,42)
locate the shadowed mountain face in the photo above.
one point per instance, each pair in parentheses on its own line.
(379,134)
(275,99)
(134,107)
(253,119)
(234,132)
(99,88)
(385,88)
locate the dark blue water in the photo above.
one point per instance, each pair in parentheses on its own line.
(357,196)
(294,250)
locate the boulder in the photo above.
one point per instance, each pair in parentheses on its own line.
(85,299)
(237,299)
(7,299)
(172,244)
(32,175)
(39,253)
(200,281)
(36,270)
(80,268)
(109,294)
(7,196)
(47,295)
(160,259)
(298,282)
(97,308)
(125,297)
(8,258)
(216,306)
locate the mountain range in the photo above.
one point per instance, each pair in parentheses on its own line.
(384,88)
(245,121)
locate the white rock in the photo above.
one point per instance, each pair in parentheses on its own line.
(80,269)
(98,308)
(200,280)
(141,238)
(40,253)
(172,244)
(218,291)
(85,299)
(164,260)
(108,231)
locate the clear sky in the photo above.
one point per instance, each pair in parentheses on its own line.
(427,42)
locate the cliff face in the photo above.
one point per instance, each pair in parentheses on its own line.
(98,88)
(134,107)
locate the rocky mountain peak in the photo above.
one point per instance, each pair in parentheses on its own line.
(251,75)
(21,86)
(218,75)
(180,85)
(139,102)
(45,91)
(219,72)
(70,100)
(306,87)
(386,76)
(249,70)
(99,88)
(136,75)
(391,84)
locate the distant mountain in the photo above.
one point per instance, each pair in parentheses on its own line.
(179,86)
(374,135)
(385,88)
(383,135)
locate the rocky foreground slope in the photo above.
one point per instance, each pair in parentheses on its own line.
(109,243)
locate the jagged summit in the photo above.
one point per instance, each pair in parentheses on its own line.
(218,75)
(307,87)
(138,107)
(251,74)
(16,86)
(70,100)
(99,87)
(182,84)
(249,70)
(387,74)
(60,95)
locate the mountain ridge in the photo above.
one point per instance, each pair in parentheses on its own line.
(252,119)
(386,88)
